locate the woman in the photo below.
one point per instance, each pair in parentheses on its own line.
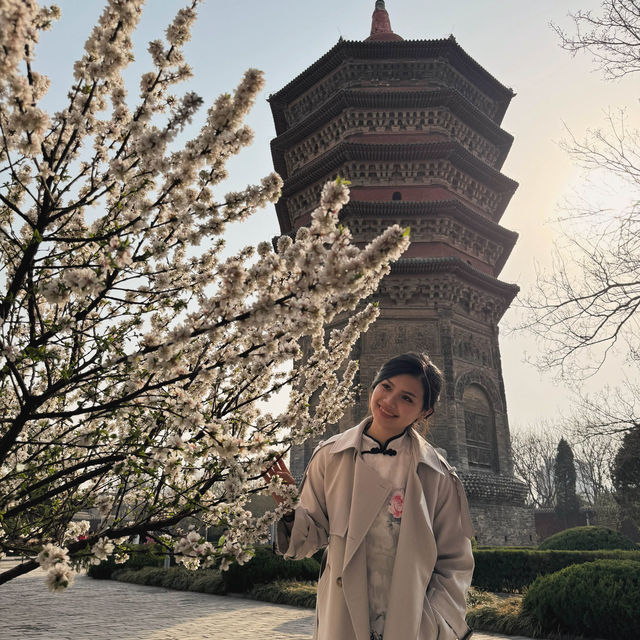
(394,516)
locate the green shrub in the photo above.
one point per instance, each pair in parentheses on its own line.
(179,578)
(587,538)
(598,599)
(292,592)
(136,576)
(511,570)
(102,571)
(266,566)
(145,555)
(207,581)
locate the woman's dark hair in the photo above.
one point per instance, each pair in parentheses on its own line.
(418,365)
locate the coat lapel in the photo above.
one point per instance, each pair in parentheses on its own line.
(368,496)
(415,557)
(356,595)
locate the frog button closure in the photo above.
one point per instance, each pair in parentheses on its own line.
(339,581)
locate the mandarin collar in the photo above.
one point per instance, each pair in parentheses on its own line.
(389,447)
(425,453)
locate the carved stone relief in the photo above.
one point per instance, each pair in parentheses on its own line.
(375,73)
(390,338)
(386,173)
(438,120)
(442,290)
(472,348)
(440,229)
(479,377)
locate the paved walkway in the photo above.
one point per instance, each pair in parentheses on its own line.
(109,610)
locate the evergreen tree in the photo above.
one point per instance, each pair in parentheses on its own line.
(626,477)
(567,504)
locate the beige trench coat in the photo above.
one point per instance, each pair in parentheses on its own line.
(340,497)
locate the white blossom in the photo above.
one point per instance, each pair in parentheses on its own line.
(101,550)
(59,577)
(140,359)
(77,529)
(52,555)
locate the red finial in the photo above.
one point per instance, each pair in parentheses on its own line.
(381,25)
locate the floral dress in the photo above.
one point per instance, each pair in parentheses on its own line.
(382,538)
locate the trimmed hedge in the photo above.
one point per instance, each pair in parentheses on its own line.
(203,581)
(291,592)
(598,599)
(511,570)
(266,566)
(587,538)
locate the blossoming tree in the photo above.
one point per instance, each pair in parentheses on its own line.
(137,362)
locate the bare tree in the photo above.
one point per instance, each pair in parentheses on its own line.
(593,458)
(611,37)
(534,455)
(595,430)
(606,415)
(589,303)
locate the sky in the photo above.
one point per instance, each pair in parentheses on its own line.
(512,39)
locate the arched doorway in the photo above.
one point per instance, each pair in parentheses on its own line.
(480,429)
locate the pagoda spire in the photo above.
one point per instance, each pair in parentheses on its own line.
(381,25)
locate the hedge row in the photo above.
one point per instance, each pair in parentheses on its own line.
(265,566)
(594,599)
(179,578)
(498,569)
(291,592)
(511,570)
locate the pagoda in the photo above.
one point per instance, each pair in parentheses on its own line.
(415,127)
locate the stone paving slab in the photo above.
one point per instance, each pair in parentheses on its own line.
(109,610)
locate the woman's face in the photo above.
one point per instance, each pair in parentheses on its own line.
(395,403)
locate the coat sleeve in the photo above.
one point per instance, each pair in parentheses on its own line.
(309,530)
(453,569)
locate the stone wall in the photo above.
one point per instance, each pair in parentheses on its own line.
(503,525)
(498,511)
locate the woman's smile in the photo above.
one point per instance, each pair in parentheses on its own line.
(386,412)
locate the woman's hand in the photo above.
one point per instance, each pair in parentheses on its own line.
(279,468)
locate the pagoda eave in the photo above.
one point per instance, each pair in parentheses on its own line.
(453,151)
(407,98)
(413,267)
(403,210)
(349,99)
(446,48)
